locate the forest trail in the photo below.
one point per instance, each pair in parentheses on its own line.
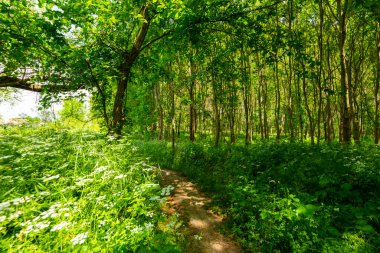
(201,224)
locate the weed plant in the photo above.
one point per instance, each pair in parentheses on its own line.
(79,192)
(287,197)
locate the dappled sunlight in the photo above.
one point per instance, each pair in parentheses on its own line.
(190,204)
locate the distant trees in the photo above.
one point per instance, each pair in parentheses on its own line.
(294,69)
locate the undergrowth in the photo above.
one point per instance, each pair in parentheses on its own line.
(79,192)
(287,197)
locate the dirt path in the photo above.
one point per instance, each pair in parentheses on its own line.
(200,224)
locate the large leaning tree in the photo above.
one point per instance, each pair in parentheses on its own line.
(57,46)
(54,46)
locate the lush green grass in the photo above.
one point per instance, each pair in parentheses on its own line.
(287,197)
(79,192)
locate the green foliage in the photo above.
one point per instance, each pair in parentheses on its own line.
(79,192)
(288,197)
(73,109)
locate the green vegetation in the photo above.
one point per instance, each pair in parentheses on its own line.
(278,101)
(287,197)
(79,192)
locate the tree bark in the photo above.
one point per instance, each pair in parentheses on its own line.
(192,123)
(377,85)
(345,87)
(129,59)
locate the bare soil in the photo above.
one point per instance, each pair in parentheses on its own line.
(200,224)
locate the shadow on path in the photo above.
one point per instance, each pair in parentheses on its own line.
(200,224)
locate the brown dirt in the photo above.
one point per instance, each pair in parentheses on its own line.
(201,224)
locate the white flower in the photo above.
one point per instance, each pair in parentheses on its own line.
(100,169)
(84,181)
(198,237)
(50,178)
(136,230)
(120,176)
(15,215)
(149,225)
(60,226)
(42,225)
(3,218)
(102,223)
(21,200)
(79,239)
(5,205)
(44,193)
(101,198)
(36,227)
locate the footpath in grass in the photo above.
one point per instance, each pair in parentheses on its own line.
(200,223)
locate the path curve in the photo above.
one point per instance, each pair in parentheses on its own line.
(200,224)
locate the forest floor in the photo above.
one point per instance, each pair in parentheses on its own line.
(201,225)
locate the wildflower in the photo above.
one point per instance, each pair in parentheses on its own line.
(84,181)
(102,223)
(5,205)
(60,226)
(51,178)
(149,225)
(136,230)
(100,169)
(3,218)
(36,227)
(44,193)
(15,215)
(20,200)
(120,176)
(101,198)
(198,237)
(79,239)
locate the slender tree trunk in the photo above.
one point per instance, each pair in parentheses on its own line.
(345,87)
(179,125)
(278,91)
(329,114)
(246,95)
(377,85)
(192,122)
(320,69)
(278,103)
(290,77)
(172,114)
(308,111)
(160,110)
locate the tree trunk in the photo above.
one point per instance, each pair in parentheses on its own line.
(192,123)
(124,72)
(345,87)
(320,68)
(377,84)
(308,111)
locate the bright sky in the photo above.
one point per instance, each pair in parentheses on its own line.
(26,104)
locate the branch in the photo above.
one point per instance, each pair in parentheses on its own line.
(27,84)
(156,39)
(24,84)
